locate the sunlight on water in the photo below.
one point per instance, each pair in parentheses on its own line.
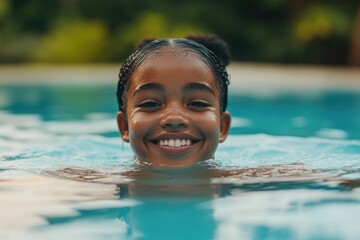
(36,146)
(70,175)
(290,214)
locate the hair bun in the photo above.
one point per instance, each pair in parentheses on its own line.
(213,43)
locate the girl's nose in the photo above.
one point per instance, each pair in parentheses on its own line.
(173,119)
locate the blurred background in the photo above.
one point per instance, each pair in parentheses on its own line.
(322,32)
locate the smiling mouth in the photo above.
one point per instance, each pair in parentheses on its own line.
(175,145)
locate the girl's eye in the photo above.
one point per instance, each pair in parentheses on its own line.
(150,104)
(198,104)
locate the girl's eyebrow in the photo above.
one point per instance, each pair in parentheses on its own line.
(198,86)
(148,86)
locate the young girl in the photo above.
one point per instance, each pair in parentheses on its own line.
(172,97)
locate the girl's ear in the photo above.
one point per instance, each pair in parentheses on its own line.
(225,121)
(123,126)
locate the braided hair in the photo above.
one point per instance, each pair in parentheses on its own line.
(203,46)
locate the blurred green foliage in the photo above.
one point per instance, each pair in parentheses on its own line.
(4,8)
(147,25)
(79,31)
(322,21)
(73,41)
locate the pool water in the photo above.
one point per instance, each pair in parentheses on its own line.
(65,174)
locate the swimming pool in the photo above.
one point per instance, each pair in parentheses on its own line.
(61,156)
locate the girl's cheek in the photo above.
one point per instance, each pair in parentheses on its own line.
(140,123)
(210,117)
(208,122)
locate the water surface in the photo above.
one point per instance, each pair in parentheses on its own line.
(289,170)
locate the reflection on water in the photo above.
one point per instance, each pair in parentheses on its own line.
(26,200)
(289,170)
(169,206)
(88,187)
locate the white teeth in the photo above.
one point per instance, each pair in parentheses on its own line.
(175,142)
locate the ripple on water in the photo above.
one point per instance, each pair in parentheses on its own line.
(103,153)
(268,193)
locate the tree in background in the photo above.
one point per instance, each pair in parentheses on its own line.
(354,54)
(76,31)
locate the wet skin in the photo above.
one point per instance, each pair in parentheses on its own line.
(173,117)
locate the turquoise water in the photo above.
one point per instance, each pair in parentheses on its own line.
(289,170)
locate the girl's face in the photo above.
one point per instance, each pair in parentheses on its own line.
(173,116)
